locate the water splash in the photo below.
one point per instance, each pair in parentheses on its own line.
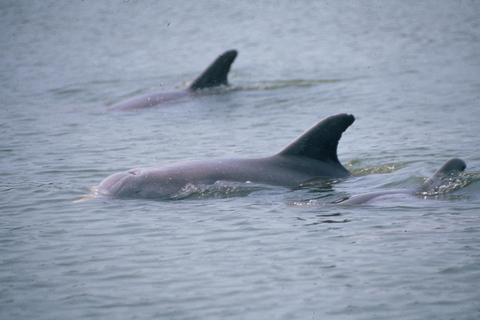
(448,184)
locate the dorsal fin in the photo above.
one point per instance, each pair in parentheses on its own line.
(320,142)
(451,166)
(216,73)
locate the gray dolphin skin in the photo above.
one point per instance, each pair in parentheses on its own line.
(313,155)
(214,76)
(449,167)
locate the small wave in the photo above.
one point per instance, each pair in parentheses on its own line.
(219,190)
(449,184)
(282,84)
(95,193)
(384,168)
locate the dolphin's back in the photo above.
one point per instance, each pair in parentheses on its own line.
(311,157)
(215,75)
(449,167)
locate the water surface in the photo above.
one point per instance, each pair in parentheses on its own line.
(409,73)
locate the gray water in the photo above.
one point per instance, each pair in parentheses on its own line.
(410,73)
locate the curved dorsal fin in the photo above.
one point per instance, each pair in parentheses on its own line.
(216,73)
(320,142)
(452,165)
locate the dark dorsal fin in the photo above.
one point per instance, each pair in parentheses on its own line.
(320,142)
(450,166)
(216,73)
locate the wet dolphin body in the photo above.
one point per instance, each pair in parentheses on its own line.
(313,155)
(451,166)
(214,76)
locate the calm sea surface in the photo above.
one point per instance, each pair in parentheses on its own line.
(410,73)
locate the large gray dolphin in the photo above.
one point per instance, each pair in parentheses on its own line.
(311,156)
(430,184)
(214,76)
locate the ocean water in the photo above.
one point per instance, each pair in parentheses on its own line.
(408,71)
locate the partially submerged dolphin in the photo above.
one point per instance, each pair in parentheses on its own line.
(449,167)
(311,156)
(214,76)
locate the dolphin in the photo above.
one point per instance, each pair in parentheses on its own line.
(214,76)
(311,156)
(430,184)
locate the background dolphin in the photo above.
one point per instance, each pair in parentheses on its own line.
(214,76)
(313,155)
(451,166)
